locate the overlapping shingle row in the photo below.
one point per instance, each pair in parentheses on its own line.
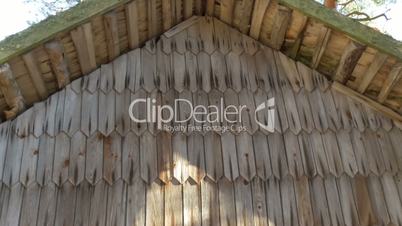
(79,157)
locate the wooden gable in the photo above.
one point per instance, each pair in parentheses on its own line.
(77,159)
(363,63)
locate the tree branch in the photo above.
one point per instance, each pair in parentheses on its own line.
(366,17)
(346,3)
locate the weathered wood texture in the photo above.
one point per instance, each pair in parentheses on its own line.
(50,55)
(77,158)
(11,92)
(350,200)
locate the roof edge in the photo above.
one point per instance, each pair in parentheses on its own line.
(45,30)
(350,27)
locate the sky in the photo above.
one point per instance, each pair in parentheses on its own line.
(15,16)
(393,26)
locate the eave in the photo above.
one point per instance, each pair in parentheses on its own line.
(354,29)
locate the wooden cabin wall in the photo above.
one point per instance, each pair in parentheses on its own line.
(76,158)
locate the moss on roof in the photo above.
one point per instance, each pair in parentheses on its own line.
(47,29)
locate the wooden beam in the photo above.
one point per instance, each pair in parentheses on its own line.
(11,92)
(227,8)
(260,7)
(188,8)
(132,24)
(58,62)
(199,7)
(178,11)
(242,16)
(112,35)
(365,100)
(359,32)
(392,79)
(294,49)
(46,30)
(349,59)
(167,15)
(373,69)
(35,74)
(83,41)
(210,7)
(182,26)
(281,22)
(153,28)
(322,42)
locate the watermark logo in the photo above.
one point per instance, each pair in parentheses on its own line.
(269,107)
(212,117)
